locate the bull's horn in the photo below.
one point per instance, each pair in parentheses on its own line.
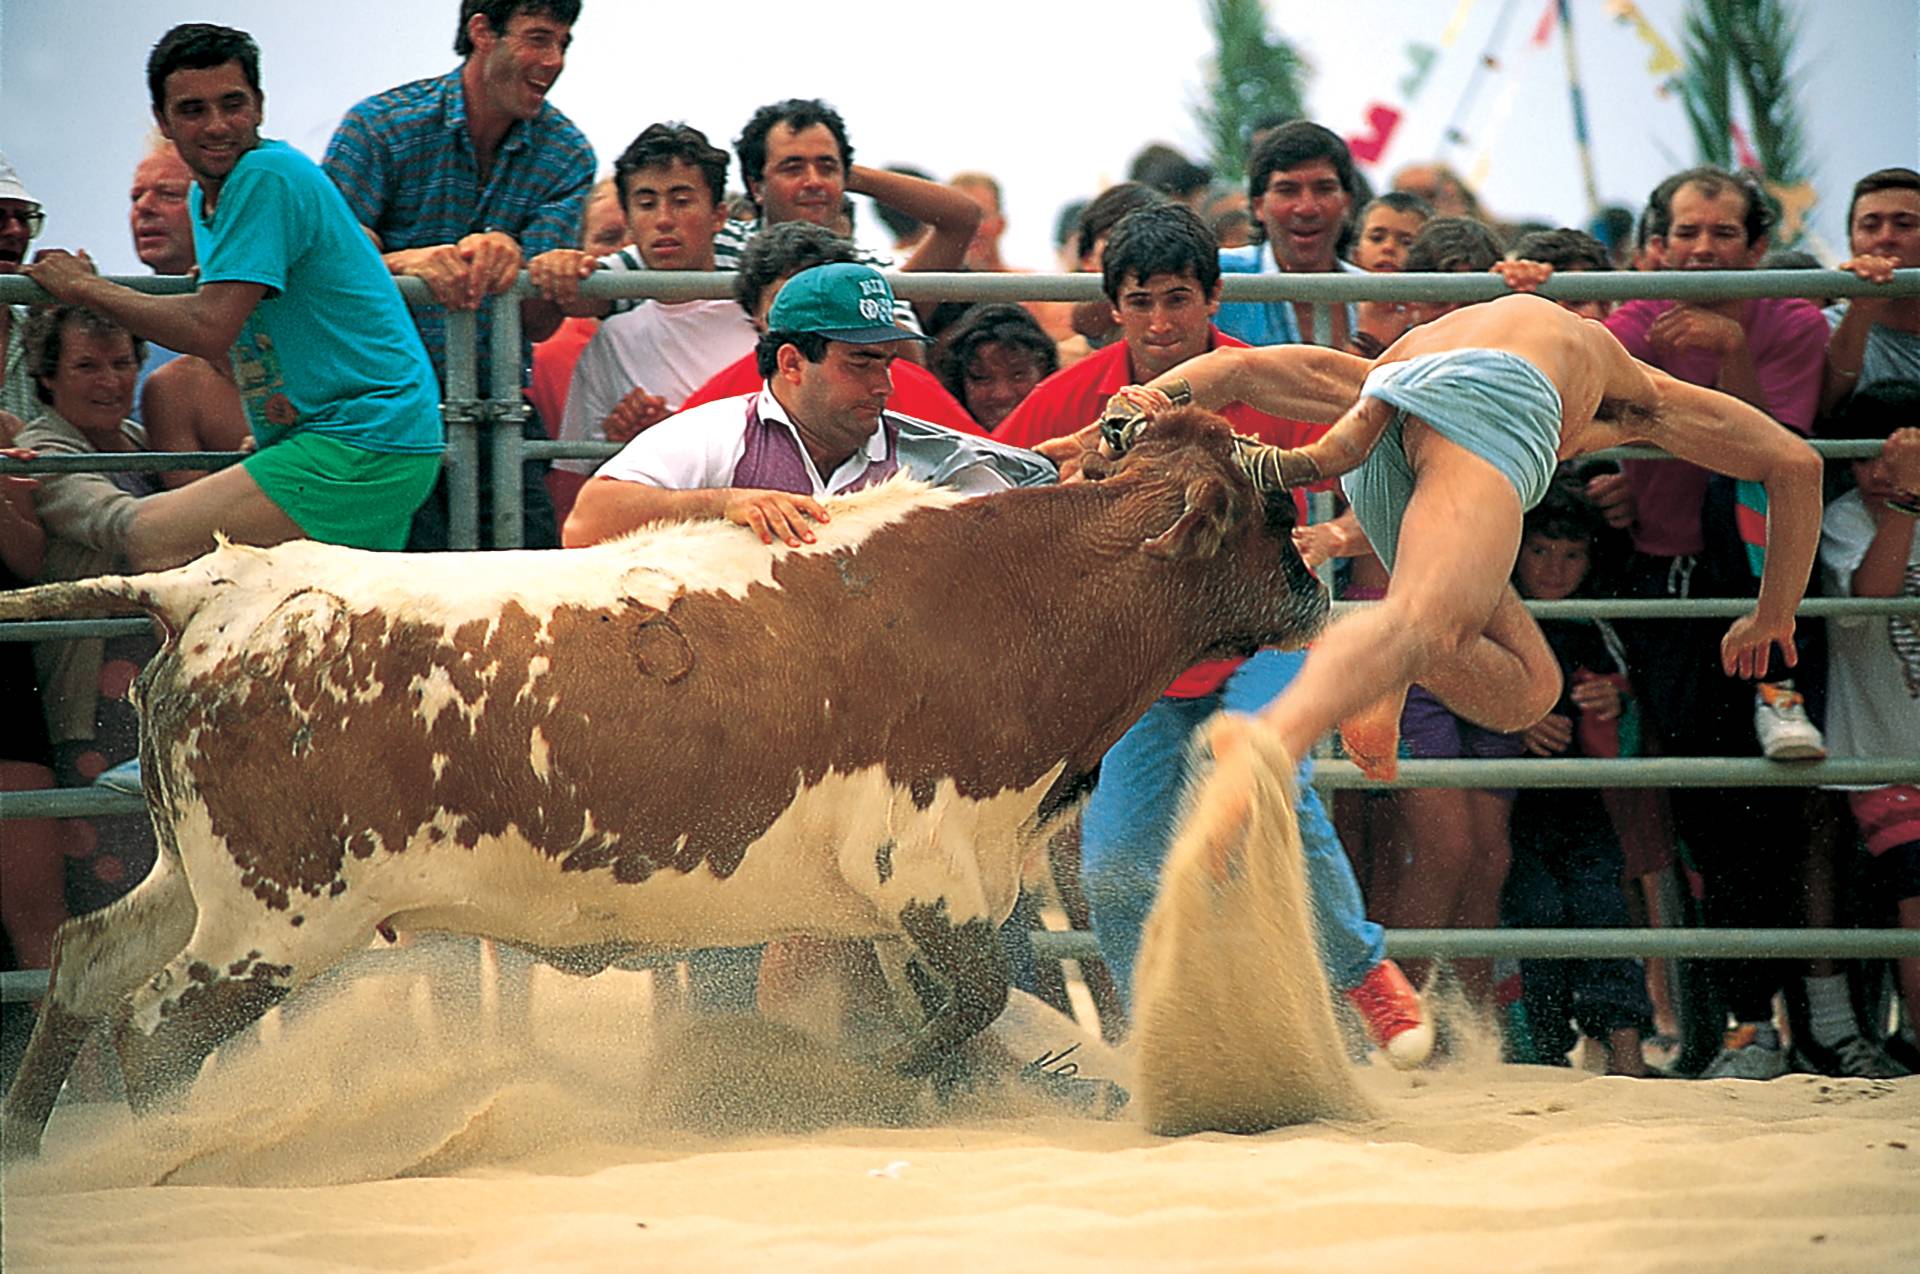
(1275,468)
(1122,422)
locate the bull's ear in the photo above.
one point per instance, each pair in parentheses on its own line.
(1201,526)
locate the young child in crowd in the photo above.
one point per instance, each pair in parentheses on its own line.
(1567,865)
(1870,547)
(1387,229)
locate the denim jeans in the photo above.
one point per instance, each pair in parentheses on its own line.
(1129,825)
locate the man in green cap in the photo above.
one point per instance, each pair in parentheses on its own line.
(818,426)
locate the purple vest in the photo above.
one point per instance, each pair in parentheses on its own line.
(773,461)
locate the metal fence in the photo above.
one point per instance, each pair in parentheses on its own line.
(494,421)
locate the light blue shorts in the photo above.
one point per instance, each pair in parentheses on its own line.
(1495,404)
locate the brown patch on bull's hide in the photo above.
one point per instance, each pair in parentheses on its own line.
(328,754)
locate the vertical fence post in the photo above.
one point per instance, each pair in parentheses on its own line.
(506,414)
(461,411)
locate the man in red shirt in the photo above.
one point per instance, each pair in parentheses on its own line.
(1161,271)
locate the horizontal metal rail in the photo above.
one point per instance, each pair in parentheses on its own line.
(1591,608)
(1589,944)
(1325,288)
(1529,772)
(1652,771)
(70,629)
(18,289)
(585,449)
(1329,287)
(1461,944)
(122,462)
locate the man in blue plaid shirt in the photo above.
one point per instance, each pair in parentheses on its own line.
(463,178)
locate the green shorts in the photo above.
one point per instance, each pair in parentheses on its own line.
(341,494)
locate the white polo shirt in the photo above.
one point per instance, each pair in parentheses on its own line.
(700,448)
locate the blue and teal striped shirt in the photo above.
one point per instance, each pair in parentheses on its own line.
(405,163)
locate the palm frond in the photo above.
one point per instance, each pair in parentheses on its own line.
(1255,75)
(1706,82)
(1763,46)
(1749,45)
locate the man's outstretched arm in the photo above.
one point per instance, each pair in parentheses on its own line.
(1721,433)
(204,323)
(1302,382)
(1299,382)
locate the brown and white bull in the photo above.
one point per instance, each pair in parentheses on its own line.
(677,739)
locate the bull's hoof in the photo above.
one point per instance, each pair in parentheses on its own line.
(1087,1097)
(952,1077)
(915,1060)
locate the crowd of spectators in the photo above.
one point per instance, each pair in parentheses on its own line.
(468,178)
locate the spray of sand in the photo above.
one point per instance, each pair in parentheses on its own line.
(438,1059)
(1234,1027)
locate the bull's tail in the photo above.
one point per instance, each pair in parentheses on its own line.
(101,597)
(168,596)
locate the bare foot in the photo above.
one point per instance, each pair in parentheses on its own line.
(1371,737)
(1226,800)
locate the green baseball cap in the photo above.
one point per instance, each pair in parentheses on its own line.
(845,301)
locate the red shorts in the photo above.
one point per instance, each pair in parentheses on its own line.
(1888,816)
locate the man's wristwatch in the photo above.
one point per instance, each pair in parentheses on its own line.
(1907,502)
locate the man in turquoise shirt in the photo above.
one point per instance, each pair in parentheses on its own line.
(339,393)
(1304,190)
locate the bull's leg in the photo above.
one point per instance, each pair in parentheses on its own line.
(229,974)
(98,960)
(966,956)
(894,957)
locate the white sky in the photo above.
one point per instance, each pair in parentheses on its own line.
(1053,98)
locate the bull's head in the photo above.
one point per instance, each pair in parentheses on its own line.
(1231,533)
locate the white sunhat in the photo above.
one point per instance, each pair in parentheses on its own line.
(10,187)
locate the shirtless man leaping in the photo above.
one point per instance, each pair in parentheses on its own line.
(1454,435)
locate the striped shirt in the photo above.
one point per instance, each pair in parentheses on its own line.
(406,164)
(16,387)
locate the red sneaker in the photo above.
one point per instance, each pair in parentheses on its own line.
(1396,1018)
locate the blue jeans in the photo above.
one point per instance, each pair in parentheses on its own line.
(1129,825)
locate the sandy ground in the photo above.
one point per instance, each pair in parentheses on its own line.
(428,1109)
(357,1129)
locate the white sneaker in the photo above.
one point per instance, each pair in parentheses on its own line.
(1780,719)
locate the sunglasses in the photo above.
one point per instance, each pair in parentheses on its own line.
(32,218)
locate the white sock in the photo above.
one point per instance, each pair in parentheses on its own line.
(1830,1011)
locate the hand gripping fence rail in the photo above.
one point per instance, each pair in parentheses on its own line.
(496,420)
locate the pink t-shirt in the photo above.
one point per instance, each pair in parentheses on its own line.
(1788,340)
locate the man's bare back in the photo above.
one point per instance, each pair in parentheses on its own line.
(1607,399)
